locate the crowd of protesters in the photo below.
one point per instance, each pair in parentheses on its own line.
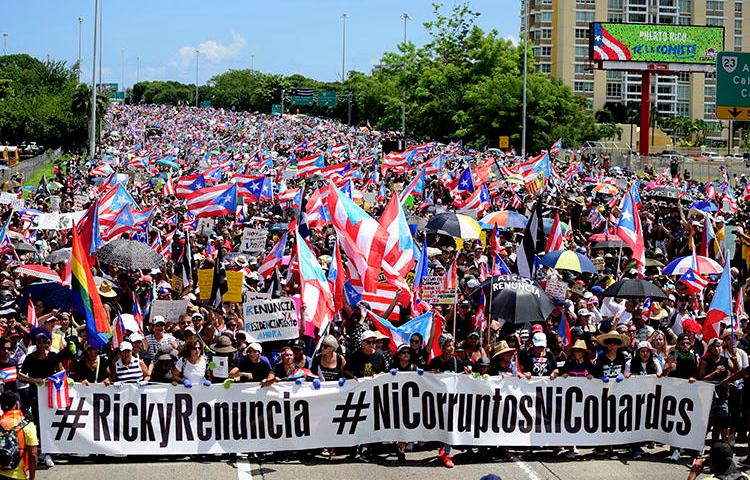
(611,339)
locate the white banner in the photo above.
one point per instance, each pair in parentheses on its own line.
(268,320)
(454,409)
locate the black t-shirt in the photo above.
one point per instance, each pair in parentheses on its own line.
(259,370)
(610,368)
(362,365)
(451,365)
(538,366)
(40,367)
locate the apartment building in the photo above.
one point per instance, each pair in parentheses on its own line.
(559,33)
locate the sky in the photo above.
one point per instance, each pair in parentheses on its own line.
(280,36)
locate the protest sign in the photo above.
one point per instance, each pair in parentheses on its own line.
(54,203)
(169,309)
(234,285)
(556,288)
(267,320)
(12,200)
(161,419)
(253,240)
(433,291)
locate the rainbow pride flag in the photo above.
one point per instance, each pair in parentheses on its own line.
(86,300)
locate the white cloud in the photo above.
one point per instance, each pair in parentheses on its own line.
(513,39)
(211,51)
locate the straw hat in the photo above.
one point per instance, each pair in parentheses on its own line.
(580,345)
(613,335)
(106,289)
(501,348)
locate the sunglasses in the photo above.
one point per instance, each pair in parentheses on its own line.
(415,340)
(369,342)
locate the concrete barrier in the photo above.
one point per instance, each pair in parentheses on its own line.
(30,165)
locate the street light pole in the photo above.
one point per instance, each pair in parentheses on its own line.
(101,41)
(92,120)
(406,17)
(197,52)
(5,43)
(137,69)
(252,62)
(525,71)
(122,64)
(80,46)
(343,46)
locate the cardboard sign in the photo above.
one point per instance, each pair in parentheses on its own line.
(54,203)
(234,282)
(433,291)
(269,320)
(556,288)
(169,309)
(253,240)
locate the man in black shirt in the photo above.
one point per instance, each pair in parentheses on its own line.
(8,366)
(365,362)
(252,369)
(538,361)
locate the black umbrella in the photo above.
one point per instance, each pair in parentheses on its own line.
(53,294)
(129,254)
(633,288)
(517,300)
(24,247)
(59,256)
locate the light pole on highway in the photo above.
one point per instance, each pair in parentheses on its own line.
(92,120)
(406,17)
(252,62)
(343,46)
(526,38)
(197,52)
(137,69)
(80,46)
(122,66)
(5,43)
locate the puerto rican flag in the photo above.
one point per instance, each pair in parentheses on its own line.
(288,195)
(630,231)
(434,166)
(399,247)
(137,313)
(555,238)
(478,201)
(399,161)
(353,223)
(311,165)
(168,187)
(58,395)
(720,309)
(9,374)
(213,201)
(556,147)
(266,269)
(187,184)
(423,325)
(607,47)
(113,201)
(315,293)
(31,317)
(118,332)
(416,186)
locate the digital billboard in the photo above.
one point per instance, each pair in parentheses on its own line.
(631,42)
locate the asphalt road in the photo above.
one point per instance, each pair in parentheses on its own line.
(421,464)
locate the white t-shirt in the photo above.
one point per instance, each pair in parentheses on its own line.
(195,373)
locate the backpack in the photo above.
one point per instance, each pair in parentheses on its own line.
(10,453)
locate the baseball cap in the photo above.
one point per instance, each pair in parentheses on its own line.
(126,346)
(644,344)
(255,346)
(367,335)
(539,339)
(537,327)
(583,311)
(135,337)
(158,319)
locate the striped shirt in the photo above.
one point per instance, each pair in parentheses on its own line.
(129,373)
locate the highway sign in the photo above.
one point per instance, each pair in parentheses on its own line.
(327,98)
(733,86)
(302,100)
(276,109)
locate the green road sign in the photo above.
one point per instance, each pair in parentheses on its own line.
(206,104)
(117,95)
(302,100)
(276,109)
(107,88)
(733,86)
(327,98)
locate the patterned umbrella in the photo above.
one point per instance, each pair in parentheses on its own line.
(706,266)
(505,219)
(568,260)
(129,254)
(606,189)
(454,225)
(38,271)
